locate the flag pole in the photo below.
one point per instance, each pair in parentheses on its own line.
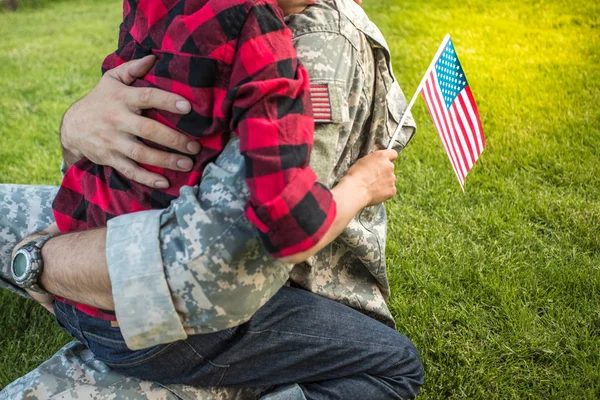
(419,88)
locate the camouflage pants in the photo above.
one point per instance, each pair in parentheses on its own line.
(73,373)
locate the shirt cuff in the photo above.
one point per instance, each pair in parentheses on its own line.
(143,302)
(295,220)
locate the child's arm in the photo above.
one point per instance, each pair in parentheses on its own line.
(371,180)
(271,113)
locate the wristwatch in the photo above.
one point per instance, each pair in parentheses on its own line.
(27,264)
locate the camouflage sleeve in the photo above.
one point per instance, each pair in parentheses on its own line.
(351,61)
(196,267)
(24,209)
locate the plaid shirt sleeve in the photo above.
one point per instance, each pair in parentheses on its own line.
(272,115)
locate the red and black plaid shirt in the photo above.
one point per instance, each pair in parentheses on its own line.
(234,61)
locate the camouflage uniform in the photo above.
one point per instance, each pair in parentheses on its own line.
(174,272)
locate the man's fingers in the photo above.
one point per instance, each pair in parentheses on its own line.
(156,132)
(131,70)
(390,154)
(141,67)
(145,98)
(137,151)
(136,173)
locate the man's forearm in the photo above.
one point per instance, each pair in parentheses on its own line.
(75,268)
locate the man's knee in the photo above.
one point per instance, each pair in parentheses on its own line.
(406,375)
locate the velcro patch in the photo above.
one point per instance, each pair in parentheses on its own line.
(321,102)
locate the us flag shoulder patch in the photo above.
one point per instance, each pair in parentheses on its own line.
(321,102)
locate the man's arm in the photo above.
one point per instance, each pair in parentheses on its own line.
(86,279)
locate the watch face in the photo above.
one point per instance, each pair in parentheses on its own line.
(20,265)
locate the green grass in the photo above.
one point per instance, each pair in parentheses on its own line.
(499,287)
(27,4)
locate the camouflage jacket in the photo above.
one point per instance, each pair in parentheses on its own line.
(199,267)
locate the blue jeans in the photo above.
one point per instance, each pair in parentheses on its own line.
(330,350)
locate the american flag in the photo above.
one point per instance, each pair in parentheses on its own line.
(452,107)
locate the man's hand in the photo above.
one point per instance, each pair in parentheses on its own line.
(374,176)
(45,300)
(104,126)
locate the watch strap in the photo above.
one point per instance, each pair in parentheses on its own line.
(41,241)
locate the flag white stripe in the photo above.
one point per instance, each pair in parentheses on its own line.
(443,134)
(440,108)
(472,125)
(471,112)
